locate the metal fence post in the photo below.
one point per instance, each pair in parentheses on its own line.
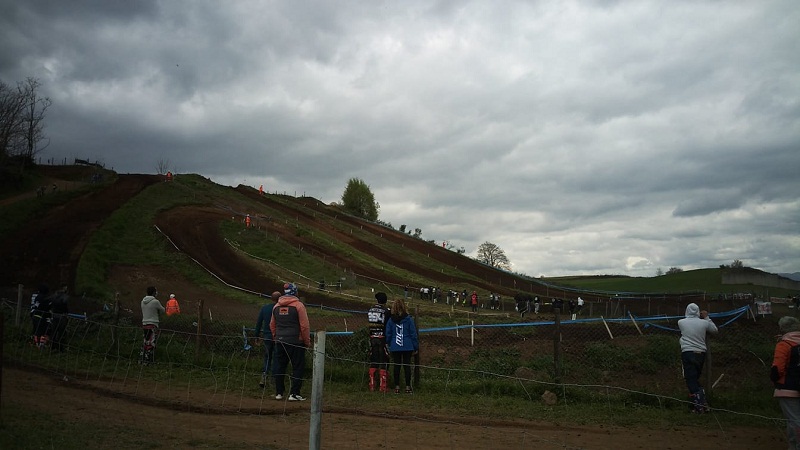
(317,383)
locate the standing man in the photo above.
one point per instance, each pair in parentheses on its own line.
(264,318)
(474,301)
(694,328)
(151,307)
(580,306)
(377,316)
(247,221)
(536,304)
(292,334)
(172,306)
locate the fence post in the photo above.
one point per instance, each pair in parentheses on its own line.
(416,357)
(317,383)
(199,329)
(115,319)
(557,345)
(18,318)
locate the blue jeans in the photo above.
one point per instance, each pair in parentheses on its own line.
(285,354)
(791,410)
(692,367)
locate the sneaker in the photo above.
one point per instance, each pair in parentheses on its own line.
(296,398)
(279,397)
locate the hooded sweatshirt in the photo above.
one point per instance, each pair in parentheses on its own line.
(786,378)
(289,323)
(401,334)
(694,329)
(150,309)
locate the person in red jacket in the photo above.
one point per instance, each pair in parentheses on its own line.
(785,374)
(173,307)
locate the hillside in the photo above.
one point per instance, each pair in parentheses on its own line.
(305,241)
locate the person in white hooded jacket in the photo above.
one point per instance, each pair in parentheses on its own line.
(785,374)
(694,328)
(151,308)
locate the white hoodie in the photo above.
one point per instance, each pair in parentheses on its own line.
(150,309)
(694,329)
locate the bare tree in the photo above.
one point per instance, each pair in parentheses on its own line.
(22,113)
(32,124)
(12,106)
(163,166)
(493,255)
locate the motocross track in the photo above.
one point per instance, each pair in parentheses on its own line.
(49,249)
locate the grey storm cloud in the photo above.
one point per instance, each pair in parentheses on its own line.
(580,137)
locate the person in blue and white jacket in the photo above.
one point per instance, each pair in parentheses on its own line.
(402,340)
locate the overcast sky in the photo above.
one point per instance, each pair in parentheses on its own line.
(596,137)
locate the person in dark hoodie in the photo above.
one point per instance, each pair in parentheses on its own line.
(785,374)
(151,308)
(694,328)
(60,315)
(402,340)
(292,335)
(264,318)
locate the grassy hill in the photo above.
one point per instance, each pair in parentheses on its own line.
(290,238)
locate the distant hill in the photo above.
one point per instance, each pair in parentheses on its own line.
(792,276)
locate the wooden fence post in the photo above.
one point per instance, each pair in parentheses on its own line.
(199,329)
(416,357)
(557,345)
(18,318)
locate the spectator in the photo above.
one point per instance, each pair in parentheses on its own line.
(694,328)
(172,306)
(377,316)
(40,315)
(579,307)
(522,304)
(60,315)
(41,303)
(785,374)
(292,335)
(558,305)
(572,308)
(401,336)
(151,307)
(536,304)
(473,300)
(262,323)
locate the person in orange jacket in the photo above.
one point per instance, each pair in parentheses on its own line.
(247,221)
(172,305)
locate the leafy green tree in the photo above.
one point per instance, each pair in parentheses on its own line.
(493,255)
(358,200)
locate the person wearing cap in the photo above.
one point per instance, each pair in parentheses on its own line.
(264,317)
(378,356)
(785,375)
(694,329)
(292,335)
(172,306)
